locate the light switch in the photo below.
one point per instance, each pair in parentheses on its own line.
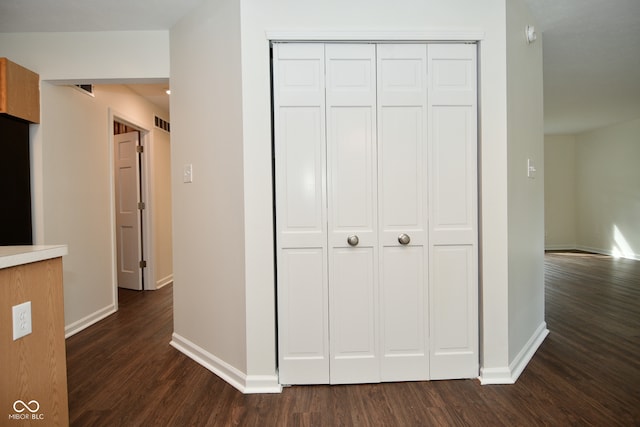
(531,169)
(187,174)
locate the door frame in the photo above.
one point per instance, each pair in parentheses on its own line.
(146,192)
(454,36)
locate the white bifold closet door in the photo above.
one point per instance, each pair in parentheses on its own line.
(358,295)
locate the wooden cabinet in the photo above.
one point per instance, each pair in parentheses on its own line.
(19,106)
(33,384)
(19,92)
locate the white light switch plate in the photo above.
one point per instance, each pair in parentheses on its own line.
(187,173)
(531,169)
(21,320)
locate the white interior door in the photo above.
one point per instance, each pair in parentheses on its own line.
(376,212)
(127,184)
(301,220)
(352,212)
(453,211)
(402,160)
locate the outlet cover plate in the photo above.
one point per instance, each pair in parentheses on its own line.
(21,320)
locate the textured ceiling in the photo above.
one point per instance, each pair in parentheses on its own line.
(591,47)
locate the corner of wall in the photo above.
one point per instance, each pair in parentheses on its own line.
(510,374)
(247,384)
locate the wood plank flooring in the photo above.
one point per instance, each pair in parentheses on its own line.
(122,371)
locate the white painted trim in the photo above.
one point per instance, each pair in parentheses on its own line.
(112,210)
(244,383)
(89,320)
(588,249)
(526,354)
(148,234)
(510,374)
(443,34)
(495,376)
(605,252)
(262,384)
(164,281)
(561,247)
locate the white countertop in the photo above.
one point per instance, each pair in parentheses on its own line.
(10,256)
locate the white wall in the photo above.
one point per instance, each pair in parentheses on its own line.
(223,222)
(208,214)
(560,191)
(382,17)
(90,56)
(224,290)
(527,327)
(76,204)
(196,72)
(608,190)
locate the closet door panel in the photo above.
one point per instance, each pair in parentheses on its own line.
(376,212)
(300,193)
(352,212)
(401,169)
(454,175)
(454,326)
(302,173)
(354,357)
(403,315)
(302,309)
(402,140)
(453,279)
(352,151)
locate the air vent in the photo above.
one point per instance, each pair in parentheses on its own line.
(162,124)
(86,88)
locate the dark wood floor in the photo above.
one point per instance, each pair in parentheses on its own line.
(122,371)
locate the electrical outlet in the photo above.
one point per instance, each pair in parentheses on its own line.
(21,320)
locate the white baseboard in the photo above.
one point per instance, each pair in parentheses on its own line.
(607,252)
(262,384)
(85,322)
(509,375)
(590,249)
(247,384)
(495,376)
(562,247)
(164,281)
(526,354)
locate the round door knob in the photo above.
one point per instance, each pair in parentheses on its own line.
(404,239)
(353,240)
